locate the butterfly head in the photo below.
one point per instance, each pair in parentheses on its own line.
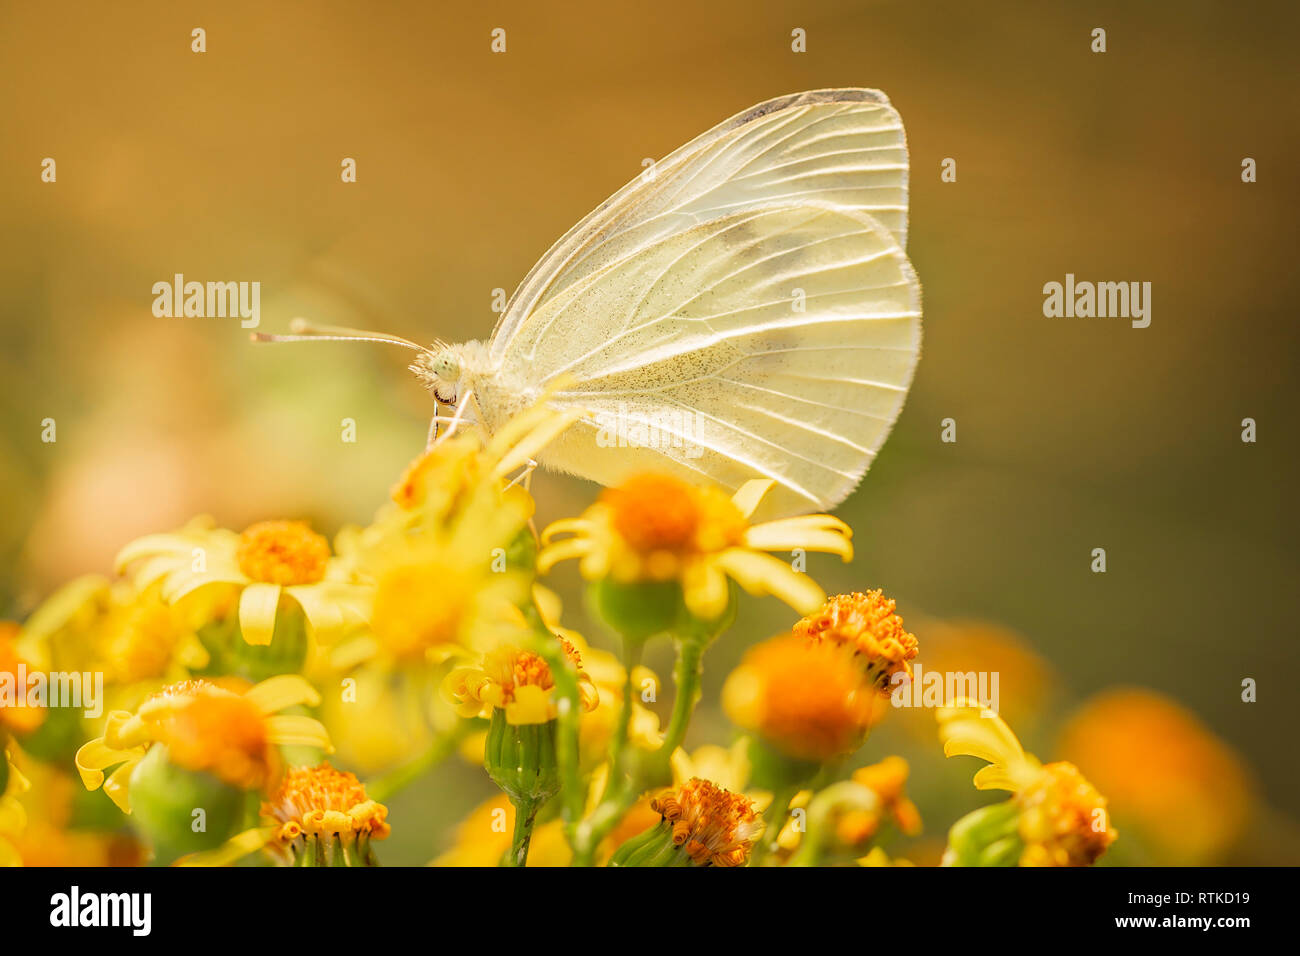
(439,370)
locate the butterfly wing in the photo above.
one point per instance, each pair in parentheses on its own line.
(746,314)
(843,146)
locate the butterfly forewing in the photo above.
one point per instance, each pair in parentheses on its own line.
(839,146)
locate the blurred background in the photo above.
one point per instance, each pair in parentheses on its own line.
(1073,434)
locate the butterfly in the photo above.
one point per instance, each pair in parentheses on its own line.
(742,309)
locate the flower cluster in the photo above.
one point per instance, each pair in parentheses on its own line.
(235,661)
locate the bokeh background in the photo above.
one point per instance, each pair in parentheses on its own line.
(1072,433)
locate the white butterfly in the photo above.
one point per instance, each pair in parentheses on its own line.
(743,309)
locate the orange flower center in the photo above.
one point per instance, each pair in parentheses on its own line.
(809,700)
(714,826)
(324,800)
(866,623)
(528,669)
(209,728)
(659,513)
(282,552)
(654,513)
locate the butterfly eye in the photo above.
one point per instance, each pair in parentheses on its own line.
(446,367)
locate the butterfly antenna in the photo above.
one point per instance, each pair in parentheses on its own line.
(303,331)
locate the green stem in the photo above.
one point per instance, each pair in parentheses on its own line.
(618,744)
(686,673)
(624,788)
(525,815)
(774,821)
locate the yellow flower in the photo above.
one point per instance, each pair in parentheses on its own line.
(205,727)
(701,824)
(270,563)
(1187,792)
(1059,817)
(808,699)
(56,833)
(867,626)
(17,717)
(887,779)
(660,528)
(483,838)
(315,816)
(517,681)
(13,818)
(143,638)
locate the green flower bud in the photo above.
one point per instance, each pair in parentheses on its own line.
(520,759)
(989,836)
(638,610)
(182,811)
(654,847)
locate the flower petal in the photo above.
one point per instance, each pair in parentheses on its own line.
(552,554)
(750,494)
(809,532)
(118,785)
(704,589)
(233,850)
(322,613)
(284,690)
(295,730)
(760,573)
(257,606)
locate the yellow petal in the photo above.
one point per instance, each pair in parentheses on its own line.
(284,690)
(233,850)
(971,731)
(579,526)
(704,589)
(323,614)
(93,758)
(118,785)
(762,574)
(257,607)
(153,545)
(536,440)
(750,494)
(295,730)
(811,533)
(530,706)
(558,551)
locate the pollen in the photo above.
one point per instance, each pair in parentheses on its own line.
(323,801)
(282,552)
(654,513)
(713,826)
(867,624)
(531,670)
(1063,819)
